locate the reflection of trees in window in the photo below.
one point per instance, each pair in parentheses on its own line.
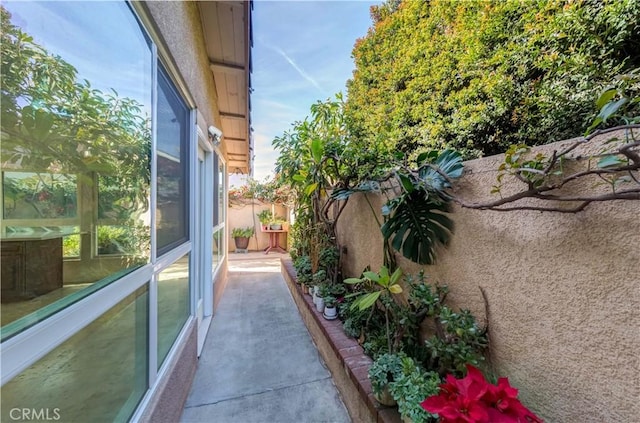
(53,123)
(39,195)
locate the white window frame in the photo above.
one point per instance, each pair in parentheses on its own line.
(26,348)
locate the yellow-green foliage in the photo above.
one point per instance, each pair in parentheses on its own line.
(478,76)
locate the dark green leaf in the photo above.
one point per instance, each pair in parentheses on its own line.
(417,226)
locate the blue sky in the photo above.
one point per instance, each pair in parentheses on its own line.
(301,54)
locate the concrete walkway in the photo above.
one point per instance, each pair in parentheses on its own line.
(259,363)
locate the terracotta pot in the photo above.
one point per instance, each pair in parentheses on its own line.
(241,242)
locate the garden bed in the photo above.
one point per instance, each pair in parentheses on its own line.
(344,357)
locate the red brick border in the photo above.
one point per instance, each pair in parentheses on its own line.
(344,348)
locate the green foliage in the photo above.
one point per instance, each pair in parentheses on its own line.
(265,217)
(479,76)
(272,191)
(71,246)
(132,238)
(385,369)
(619,103)
(242,232)
(302,265)
(53,122)
(412,387)
(379,284)
(458,341)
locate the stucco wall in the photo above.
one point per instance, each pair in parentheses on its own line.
(563,292)
(245,215)
(178,25)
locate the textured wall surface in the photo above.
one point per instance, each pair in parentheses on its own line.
(181,32)
(563,293)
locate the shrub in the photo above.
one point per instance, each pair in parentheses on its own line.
(242,232)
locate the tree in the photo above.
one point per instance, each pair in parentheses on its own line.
(479,76)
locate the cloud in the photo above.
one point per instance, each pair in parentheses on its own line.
(293,64)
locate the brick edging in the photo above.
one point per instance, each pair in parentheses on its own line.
(353,367)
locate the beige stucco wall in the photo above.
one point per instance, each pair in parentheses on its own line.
(245,215)
(179,28)
(563,293)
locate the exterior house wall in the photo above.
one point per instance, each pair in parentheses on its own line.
(179,27)
(562,293)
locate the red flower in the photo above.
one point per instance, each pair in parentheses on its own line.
(473,400)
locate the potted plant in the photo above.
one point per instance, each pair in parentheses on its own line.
(330,307)
(276,223)
(411,387)
(265,217)
(385,370)
(318,280)
(241,237)
(323,292)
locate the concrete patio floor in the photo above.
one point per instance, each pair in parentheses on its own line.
(259,363)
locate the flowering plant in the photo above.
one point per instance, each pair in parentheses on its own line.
(474,400)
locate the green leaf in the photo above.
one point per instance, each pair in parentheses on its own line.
(352,281)
(317,149)
(395,289)
(298,178)
(366,300)
(611,108)
(406,182)
(373,276)
(310,188)
(605,97)
(417,226)
(609,161)
(396,276)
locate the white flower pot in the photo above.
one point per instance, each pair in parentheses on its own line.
(330,313)
(320,304)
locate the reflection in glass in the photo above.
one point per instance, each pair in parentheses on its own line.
(80,387)
(217,239)
(28,195)
(171,219)
(173,304)
(74,151)
(221,196)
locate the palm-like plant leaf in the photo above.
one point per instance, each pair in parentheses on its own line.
(449,162)
(417,225)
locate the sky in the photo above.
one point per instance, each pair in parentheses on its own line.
(301,54)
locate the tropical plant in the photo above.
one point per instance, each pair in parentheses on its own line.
(387,283)
(242,232)
(302,264)
(381,286)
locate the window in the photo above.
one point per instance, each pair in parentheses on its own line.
(78,200)
(98,375)
(74,153)
(173,141)
(173,304)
